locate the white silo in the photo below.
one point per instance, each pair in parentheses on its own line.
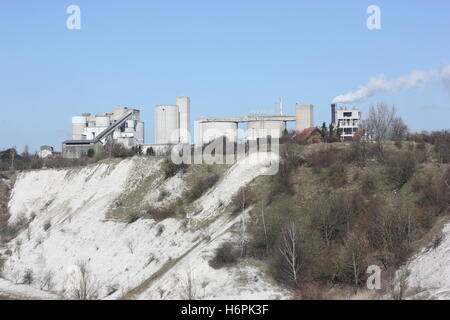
(118,112)
(140,132)
(264,128)
(167,124)
(212,130)
(102,121)
(79,124)
(184,105)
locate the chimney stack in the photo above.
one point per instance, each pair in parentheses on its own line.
(333,113)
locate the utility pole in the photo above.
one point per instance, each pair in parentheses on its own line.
(281,106)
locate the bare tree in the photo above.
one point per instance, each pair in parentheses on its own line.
(130,245)
(291,253)
(400,283)
(29,233)
(399,129)
(382,124)
(85,286)
(18,247)
(189,287)
(240,201)
(264,227)
(46,282)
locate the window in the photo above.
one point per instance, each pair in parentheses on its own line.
(347,114)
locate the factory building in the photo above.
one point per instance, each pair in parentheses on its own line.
(258,126)
(89,131)
(172,122)
(348,120)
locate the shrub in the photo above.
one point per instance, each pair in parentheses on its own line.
(118,150)
(432,190)
(160,214)
(133,217)
(400,167)
(357,153)
(367,184)
(323,158)
(91,153)
(242,199)
(225,254)
(170,168)
(159,230)
(310,291)
(337,175)
(28,277)
(47,225)
(163,193)
(200,187)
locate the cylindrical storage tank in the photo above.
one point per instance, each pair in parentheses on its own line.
(183,104)
(140,132)
(102,121)
(79,124)
(213,130)
(264,128)
(166,124)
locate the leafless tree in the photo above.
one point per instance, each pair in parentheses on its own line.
(382,124)
(291,252)
(46,282)
(18,247)
(264,227)
(240,201)
(400,283)
(189,287)
(86,287)
(130,245)
(399,129)
(29,233)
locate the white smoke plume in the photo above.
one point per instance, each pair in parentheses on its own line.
(381,83)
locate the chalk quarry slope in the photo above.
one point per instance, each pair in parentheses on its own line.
(145,259)
(428,272)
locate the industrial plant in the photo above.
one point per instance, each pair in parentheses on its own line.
(172,126)
(347,120)
(90,131)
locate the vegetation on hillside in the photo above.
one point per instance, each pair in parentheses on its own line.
(333,209)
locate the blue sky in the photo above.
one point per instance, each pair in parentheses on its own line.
(230,57)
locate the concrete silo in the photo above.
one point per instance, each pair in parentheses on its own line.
(102,121)
(184,105)
(118,112)
(212,130)
(140,132)
(264,128)
(167,121)
(79,124)
(304,116)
